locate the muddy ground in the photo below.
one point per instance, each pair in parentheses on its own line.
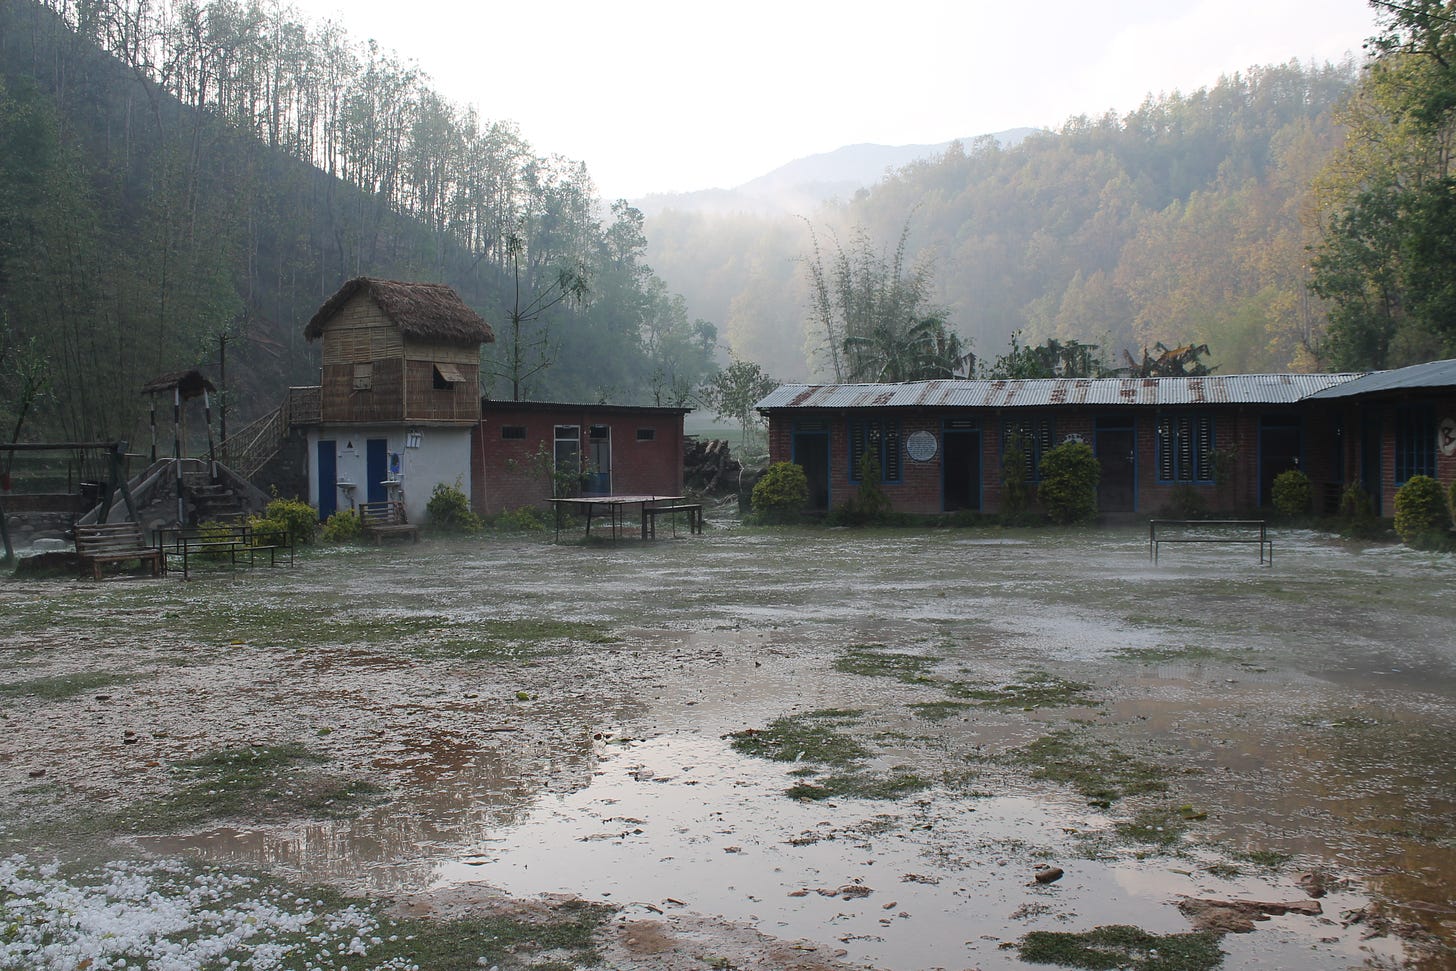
(758,748)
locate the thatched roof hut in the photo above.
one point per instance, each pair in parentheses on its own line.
(190,384)
(422,311)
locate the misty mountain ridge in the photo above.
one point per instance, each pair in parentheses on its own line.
(806,183)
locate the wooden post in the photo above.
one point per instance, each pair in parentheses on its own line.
(211,451)
(153,399)
(177,449)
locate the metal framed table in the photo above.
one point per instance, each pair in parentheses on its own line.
(614,506)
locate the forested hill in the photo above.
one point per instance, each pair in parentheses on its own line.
(172,173)
(1184,220)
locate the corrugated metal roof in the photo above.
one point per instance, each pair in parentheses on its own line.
(1435,374)
(1263,389)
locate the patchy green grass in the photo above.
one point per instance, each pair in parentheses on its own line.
(939,711)
(262,782)
(1268,859)
(1122,946)
(859,785)
(874,661)
(1031,689)
(62,686)
(818,739)
(814,736)
(1098,770)
(1184,654)
(1157,825)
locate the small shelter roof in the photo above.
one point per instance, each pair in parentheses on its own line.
(1432,374)
(191,384)
(421,311)
(1230,389)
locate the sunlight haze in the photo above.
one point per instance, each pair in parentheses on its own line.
(666,96)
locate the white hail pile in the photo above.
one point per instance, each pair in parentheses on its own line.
(167,916)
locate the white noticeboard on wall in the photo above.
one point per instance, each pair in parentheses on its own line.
(921,446)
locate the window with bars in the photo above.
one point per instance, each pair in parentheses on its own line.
(1185,448)
(881,438)
(1035,435)
(1415,443)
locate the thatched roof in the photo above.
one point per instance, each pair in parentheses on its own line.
(190,383)
(421,311)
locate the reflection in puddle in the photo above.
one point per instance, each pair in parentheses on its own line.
(941,881)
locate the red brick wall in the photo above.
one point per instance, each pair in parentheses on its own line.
(920,490)
(508,475)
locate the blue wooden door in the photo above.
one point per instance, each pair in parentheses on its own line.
(376,468)
(328,476)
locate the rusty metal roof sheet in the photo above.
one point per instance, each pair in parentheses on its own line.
(1232,389)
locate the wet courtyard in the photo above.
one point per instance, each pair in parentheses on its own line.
(816,748)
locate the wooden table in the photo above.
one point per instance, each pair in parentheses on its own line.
(615,506)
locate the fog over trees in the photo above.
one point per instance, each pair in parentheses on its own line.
(1185,220)
(176,173)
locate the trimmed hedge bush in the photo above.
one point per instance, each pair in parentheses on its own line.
(1069,477)
(1422,518)
(1292,493)
(782,493)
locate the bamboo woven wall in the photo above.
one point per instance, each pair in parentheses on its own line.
(371,373)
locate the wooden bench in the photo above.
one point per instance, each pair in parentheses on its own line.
(115,543)
(385,518)
(693,510)
(229,540)
(1250,531)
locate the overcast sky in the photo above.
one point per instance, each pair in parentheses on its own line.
(675,95)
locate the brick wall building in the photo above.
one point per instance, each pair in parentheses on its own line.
(1217,441)
(520,447)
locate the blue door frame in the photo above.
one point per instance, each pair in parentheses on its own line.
(376,468)
(328,479)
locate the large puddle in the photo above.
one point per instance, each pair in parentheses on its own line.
(1307,708)
(682,823)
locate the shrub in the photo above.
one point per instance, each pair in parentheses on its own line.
(1015,494)
(869,504)
(341,527)
(298,517)
(1357,512)
(527,519)
(1185,502)
(1069,477)
(782,492)
(1292,493)
(449,509)
(1421,517)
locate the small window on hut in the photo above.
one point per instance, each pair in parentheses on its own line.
(598,432)
(513,431)
(646,434)
(363,377)
(447,376)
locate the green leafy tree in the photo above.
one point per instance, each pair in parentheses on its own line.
(1051,359)
(733,392)
(1387,259)
(875,316)
(526,348)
